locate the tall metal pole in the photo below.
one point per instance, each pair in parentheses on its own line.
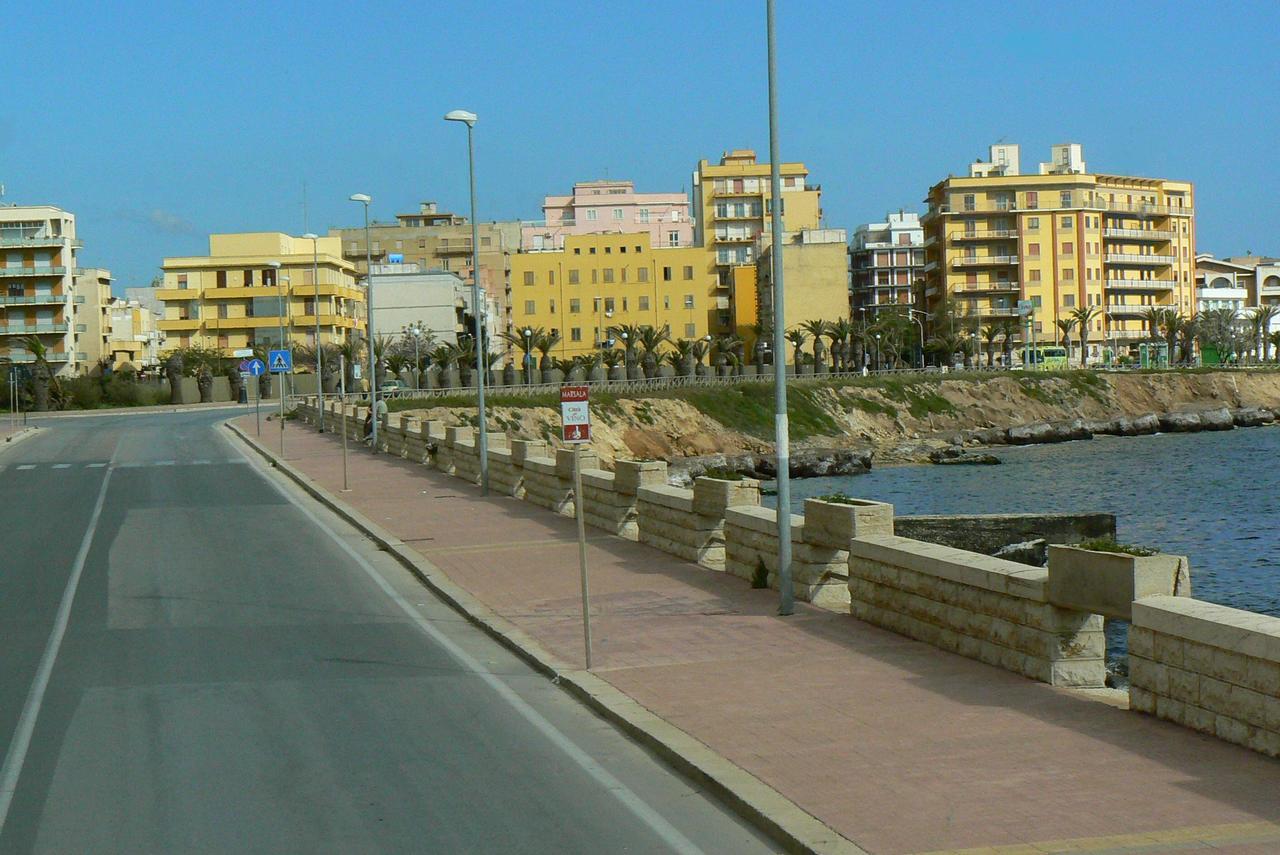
(582,549)
(315,280)
(280,391)
(342,416)
(477,312)
(782,431)
(373,362)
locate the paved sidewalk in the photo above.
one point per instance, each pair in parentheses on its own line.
(899,746)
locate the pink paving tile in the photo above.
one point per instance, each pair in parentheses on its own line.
(897,745)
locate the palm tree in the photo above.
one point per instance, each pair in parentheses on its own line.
(1172,325)
(350,351)
(1215,329)
(699,352)
(759,342)
(1009,328)
(839,331)
(1260,323)
(1083,316)
(1274,339)
(989,334)
(41,374)
(797,338)
(1188,338)
(1065,326)
(381,346)
(545,343)
(816,330)
(630,335)
(525,343)
(651,340)
(1154,319)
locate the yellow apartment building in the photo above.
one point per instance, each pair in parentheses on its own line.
(815,269)
(601,280)
(732,201)
(232,297)
(1061,238)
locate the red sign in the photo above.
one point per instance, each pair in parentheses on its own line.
(575,414)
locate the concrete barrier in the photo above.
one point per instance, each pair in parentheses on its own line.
(981,607)
(1212,668)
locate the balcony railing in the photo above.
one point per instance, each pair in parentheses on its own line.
(33,271)
(995,312)
(736,238)
(984,260)
(33,329)
(33,299)
(1140,284)
(1128,258)
(985,234)
(1143,209)
(40,241)
(1158,235)
(986,289)
(1127,311)
(49,356)
(454,248)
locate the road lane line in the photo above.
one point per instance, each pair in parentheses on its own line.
(620,791)
(17,753)
(26,466)
(62,466)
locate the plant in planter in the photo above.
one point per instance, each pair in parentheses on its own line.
(1105,577)
(833,520)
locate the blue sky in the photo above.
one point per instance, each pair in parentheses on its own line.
(160,123)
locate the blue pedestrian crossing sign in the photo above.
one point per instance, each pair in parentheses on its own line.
(281,361)
(254,367)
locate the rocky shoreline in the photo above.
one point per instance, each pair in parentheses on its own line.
(1218,418)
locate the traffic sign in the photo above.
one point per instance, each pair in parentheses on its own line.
(575,414)
(242,352)
(281,361)
(1026,307)
(255,367)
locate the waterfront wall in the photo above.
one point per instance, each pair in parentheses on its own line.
(1211,668)
(988,533)
(1204,666)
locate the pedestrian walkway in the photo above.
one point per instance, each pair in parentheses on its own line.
(898,746)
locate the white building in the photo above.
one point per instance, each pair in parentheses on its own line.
(885,261)
(404,295)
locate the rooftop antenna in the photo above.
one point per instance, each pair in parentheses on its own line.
(306,220)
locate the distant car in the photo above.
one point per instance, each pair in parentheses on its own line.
(392,387)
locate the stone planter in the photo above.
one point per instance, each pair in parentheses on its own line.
(451,379)
(711,495)
(630,475)
(750,370)
(617,373)
(834,524)
(635,372)
(523,449)
(1107,583)
(805,370)
(554,376)
(598,374)
(564,463)
(510,376)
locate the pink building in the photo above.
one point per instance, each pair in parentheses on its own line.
(610,206)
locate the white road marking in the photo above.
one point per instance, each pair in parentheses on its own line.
(27,466)
(166,463)
(94,465)
(17,753)
(62,466)
(201,462)
(632,802)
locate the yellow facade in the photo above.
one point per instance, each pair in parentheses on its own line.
(732,203)
(603,280)
(815,269)
(229,298)
(1062,241)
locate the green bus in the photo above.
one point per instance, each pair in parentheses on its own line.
(1049,357)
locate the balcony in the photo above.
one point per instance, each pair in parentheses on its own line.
(995,312)
(33,300)
(984,260)
(35,271)
(1144,209)
(985,234)
(463,248)
(33,329)
(729,191)
(1129,259)
(178,324)
(1146,285)
(49,356)
(305,321)
(735,238)
(40,241)
(986,289)
(1132,310)
(745,215)
(1154,235)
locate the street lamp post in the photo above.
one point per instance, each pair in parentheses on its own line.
(315,280)
(877,353)
(477,310)
(365,199)
(782,431)
(911,313)
(415,330)
(275,267)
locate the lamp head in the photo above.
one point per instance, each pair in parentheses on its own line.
(361,197)
(310,236)
(465,116)
(274,265)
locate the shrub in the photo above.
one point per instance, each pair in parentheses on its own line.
(760,578)
(1107,544)
(722,474)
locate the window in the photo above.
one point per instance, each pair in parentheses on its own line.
(308,307)
(248,278)
(528,277)
(673,238)
(642,274)
(1064,198)
(577,250)
(666,302)
(638,249)
(591,213)
(575,306)
(617,213)
(690,331)
(688,272)
(608,305)
(553,307)
(224,341)
(529,307)
(486,241)
(688,301)
(575,334)
(573,277)
(666,274)
(623,271)
(591,251)
(1066,222)
(551,277)
(644,303)
(399,244)
(643,215)
(1033,249)
(222,310)
(622,249)
(969,279)
(608,274)
(1068,247)
(1034,275)
(970,202)
(1033,222)
(1068,273)
(1033,199)
(608,250)
(595,305)
(222,280)
(595,276)
(1035,301)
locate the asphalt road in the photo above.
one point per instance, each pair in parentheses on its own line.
(194,658)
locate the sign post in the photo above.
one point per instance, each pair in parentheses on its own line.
(281,362)
(1025,309)
(575,430)
(255,368)
(342,414)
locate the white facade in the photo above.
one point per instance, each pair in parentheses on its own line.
(885,261)
(404,295)
(38,258)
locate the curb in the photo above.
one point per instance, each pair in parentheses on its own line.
(781,819)
(25,433)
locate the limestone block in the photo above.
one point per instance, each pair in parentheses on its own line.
(1079,673)
(523,449)
(1140,641)
(1108,583)
(1262,676)
(564,461)
(1221,627)
(834,524)
(1231,730)
(1141,700)
(1170,709)
(631,475)
(1264,741)
(1197,718)
(712,496)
